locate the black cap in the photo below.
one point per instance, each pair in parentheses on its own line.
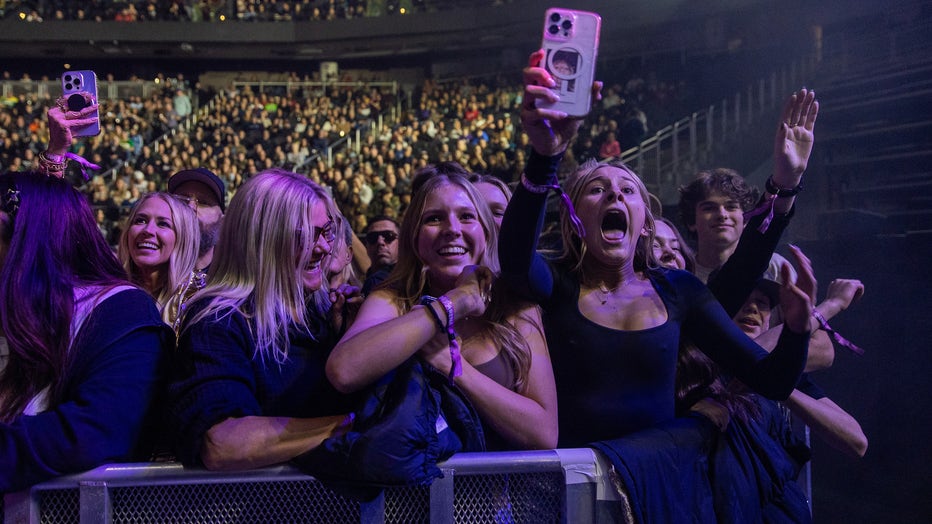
(204,176)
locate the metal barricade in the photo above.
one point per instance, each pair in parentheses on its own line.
(501,487)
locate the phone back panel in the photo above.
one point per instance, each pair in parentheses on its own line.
(571,44)
(76,82)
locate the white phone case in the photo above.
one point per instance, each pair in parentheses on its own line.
(73,82)
(571,45)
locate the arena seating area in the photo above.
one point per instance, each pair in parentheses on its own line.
(364,140)
(221,10)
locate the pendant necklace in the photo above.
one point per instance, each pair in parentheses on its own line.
(605,292)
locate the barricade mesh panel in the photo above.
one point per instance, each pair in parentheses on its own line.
(241,502)
(59,506)
(509,498)
(410,505)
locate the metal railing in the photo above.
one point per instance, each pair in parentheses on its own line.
(107,90)
(535,486)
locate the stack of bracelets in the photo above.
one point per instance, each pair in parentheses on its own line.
(52,165)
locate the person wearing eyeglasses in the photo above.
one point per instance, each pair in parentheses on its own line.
(205,193)
(382,248)
(248,386)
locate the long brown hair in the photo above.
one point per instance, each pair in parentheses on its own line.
(698,377)
(53,248)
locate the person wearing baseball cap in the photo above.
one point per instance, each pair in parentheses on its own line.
(205,192)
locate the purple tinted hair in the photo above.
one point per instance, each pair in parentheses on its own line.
(53,246)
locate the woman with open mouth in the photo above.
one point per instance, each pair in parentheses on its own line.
(613,318)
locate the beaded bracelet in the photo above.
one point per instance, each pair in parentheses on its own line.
(456,369)
(51,166)
(56,167)
(835,335)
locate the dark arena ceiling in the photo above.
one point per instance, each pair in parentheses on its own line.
(628,28)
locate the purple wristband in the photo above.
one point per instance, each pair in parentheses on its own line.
(836,335)
(457,368)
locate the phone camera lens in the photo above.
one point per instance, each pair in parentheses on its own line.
(555,17)
(567,24)
(554,29)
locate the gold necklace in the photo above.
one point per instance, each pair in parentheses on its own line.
(605,292)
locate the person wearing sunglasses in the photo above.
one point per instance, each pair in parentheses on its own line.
(248,386)
(382,247)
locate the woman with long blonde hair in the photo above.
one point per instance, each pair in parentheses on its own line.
(249,388)
(158,249)
(440,297)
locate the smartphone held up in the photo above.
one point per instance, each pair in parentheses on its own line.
(76,86)
(571,45)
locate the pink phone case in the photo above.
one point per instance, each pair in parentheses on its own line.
(571,45)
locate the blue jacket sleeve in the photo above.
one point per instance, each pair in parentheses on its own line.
(107,399)
(773,374)
(526,271)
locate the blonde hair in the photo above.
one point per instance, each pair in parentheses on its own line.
(265,242)
(182,259)
(574,248)
(409,281)
(477,178)
(409,278)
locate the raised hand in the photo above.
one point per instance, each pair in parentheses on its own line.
(62,121)
(793,142)
(806,280)
(844,292)
(549,131)
(796,304)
